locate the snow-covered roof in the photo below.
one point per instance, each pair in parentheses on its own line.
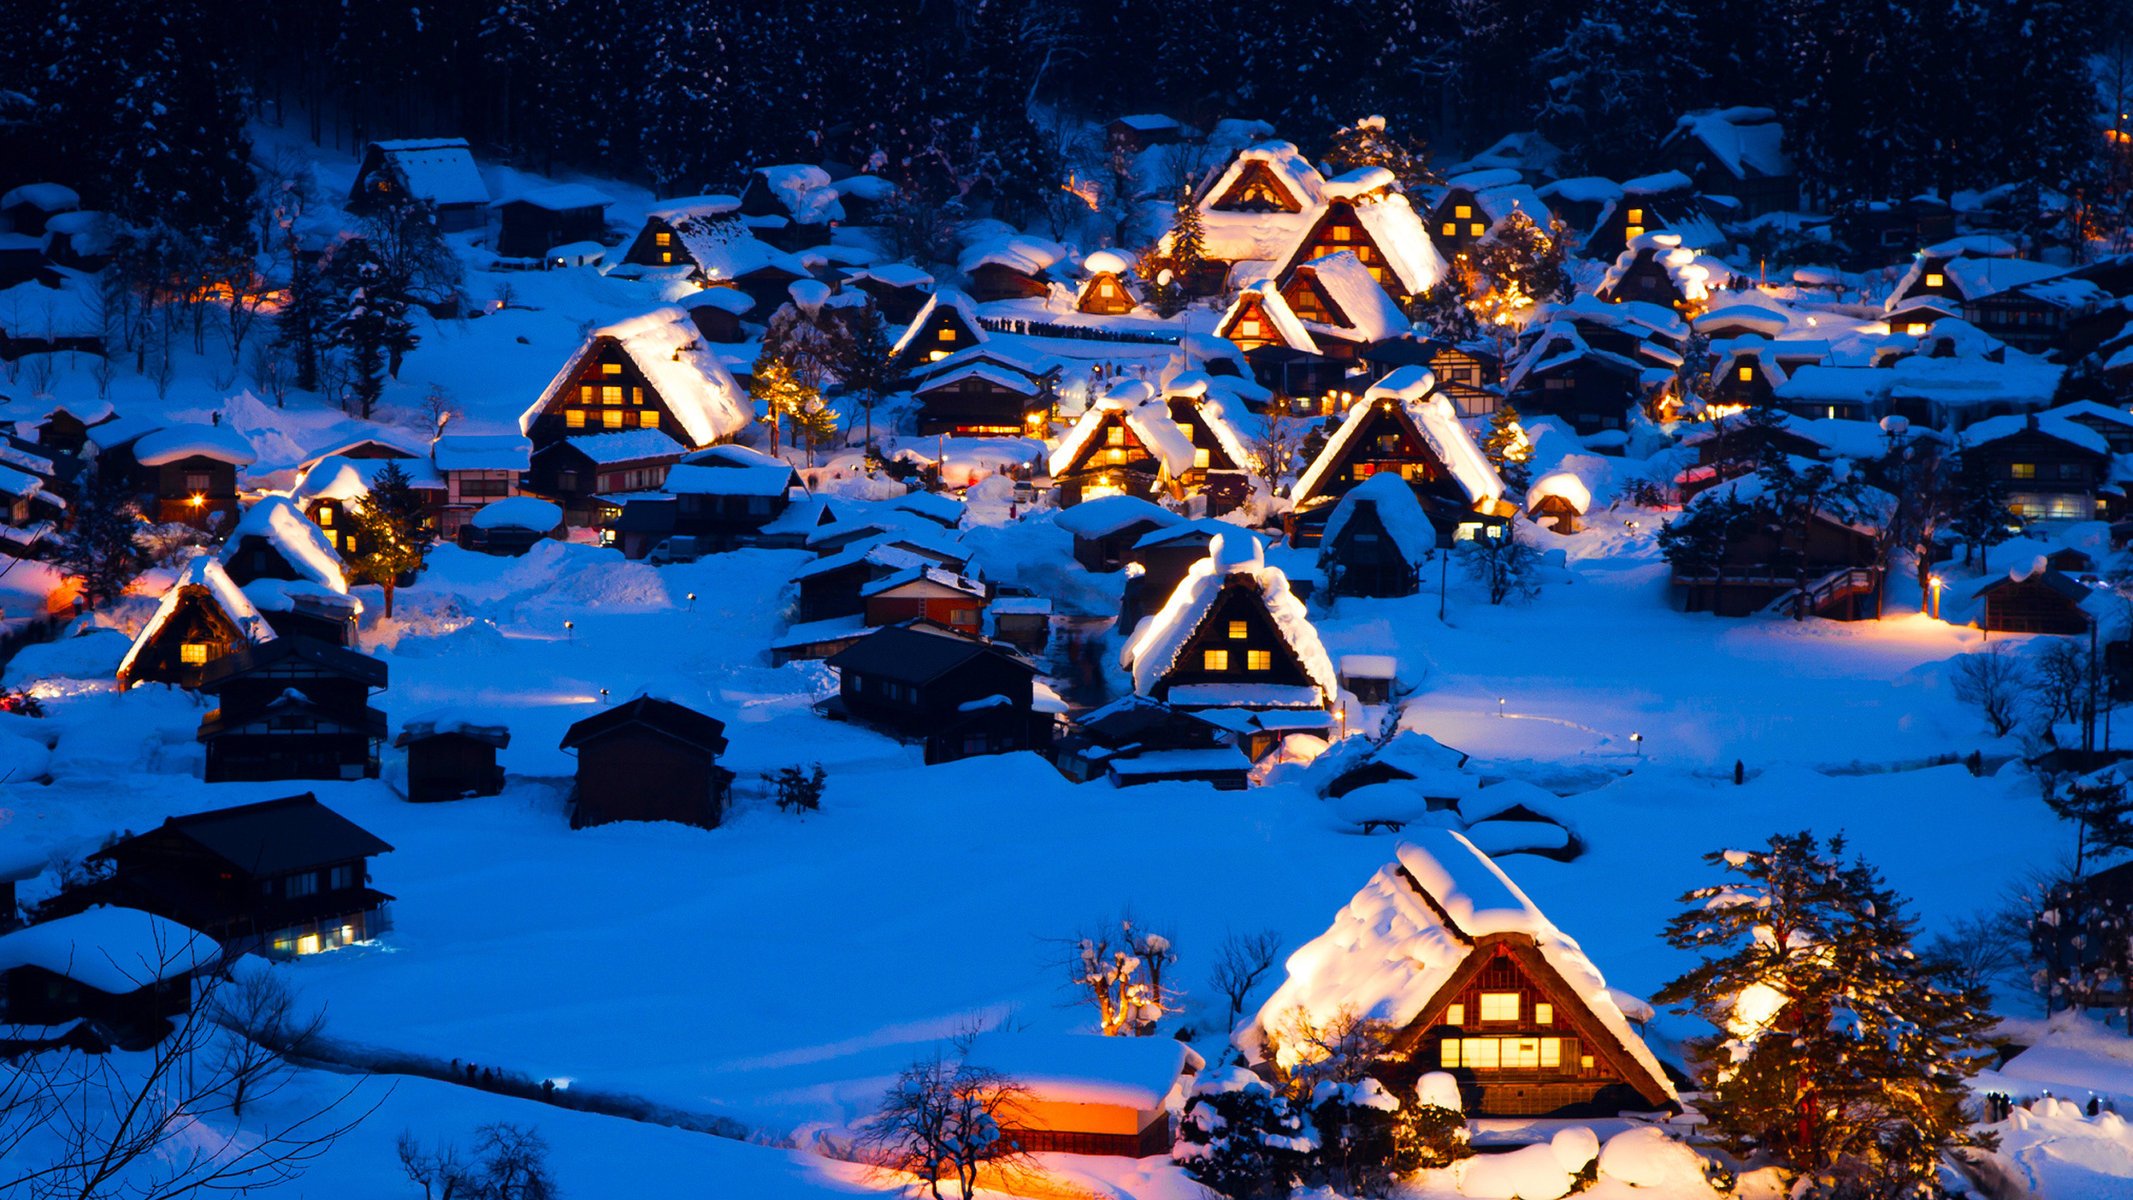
(281,524)
(693,480)
(2052,423)
(1288,328)
(51,197)
(518,512)
(1397,510)
(1413,388)
(1694,274)
(1016,251)
(867,187)
(1261,236)
(206,572)
(442,721)
(1972,276)
(1067,1068)
(337,478)
(625,445)
(1370,314)
(667,348)
(1220,410)
(1399,232)
(1748,142)
(1566,486)
(683,207)
(113,950)
(1134,402)
(1362,181)
(1393,947)
(1013,381)
(173,442)
(440,170)
(805,190)
(721,246)
(1155,646)
(19,483)
(1106,515)
(948,297)
(560,197)
(481,452)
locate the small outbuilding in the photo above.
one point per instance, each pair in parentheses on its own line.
(649,760)
(1083,1094)
(450,757)
(100,979)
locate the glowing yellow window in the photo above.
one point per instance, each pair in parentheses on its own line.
(1551,1052)
(947,334)
(1455,1014)
(575,418)
(1259,660)
(662,239)
(1585,1062)
(1114,456)
(1238,631)
(1199,458)
(1115,436)
(666,256)
(1544,1014)
(1463,212)
(1916,329)
(611,394)
(611,420)
(2024,470)
(1499,1006)
(1215,660)
(1448,1052)
(1478,1053)
(1450,228)
(1251,328)
(1936,279)
(193,654)
(325,516)
(1747,374)
(648,420)
(636,395)
(307,944)
(1633,231)
(611,368)
(1476,229)
(1636,217)
(585,393)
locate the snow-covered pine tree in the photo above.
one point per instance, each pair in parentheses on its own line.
(391,526)
(1980,515)
(1839,1053)
(1615,83)
(303,326)
(1241,1138)
(1370,143)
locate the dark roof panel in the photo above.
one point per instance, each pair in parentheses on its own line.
(663,716)
(276,836)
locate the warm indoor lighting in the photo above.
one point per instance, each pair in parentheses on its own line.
(197,500)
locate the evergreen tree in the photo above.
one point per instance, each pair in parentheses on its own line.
(102,551)
(303,327)
(869,368)
(1519,265)
(1507,447)
(1696,543)
(1188,240)
(1240,1138)
(1980,515)
(791,404)
(1368,143)
(1840,1055)
(2101,812)
(371,323)
(391,526)
(1615,82)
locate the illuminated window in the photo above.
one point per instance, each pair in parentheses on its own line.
(1544,1014)
(325,516)
(1633,231)
(1936,279)
(1476,229)
(648,420)
(1115,436)
(1251,328)
(1463,212)
(1450,229)
(1499,1006)
(947,334)
(1916,329)
(611,394)
(1455,1014)
(1258,660)
(1215,660)
(1585,1061)
(575,418)
(1448,1053)
(1505,1054)
(611,368)
(585,393)
(1479,1053)
(1238,631)
(636,395)
(666,256)
(1636,217)
(1114,456)
(1747,374)
(2024,470)
(611,420)
(662,239)
(193,654)
(1199,458)
(307,944)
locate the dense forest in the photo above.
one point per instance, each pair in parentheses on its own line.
(142,106)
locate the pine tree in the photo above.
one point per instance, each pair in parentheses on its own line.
(869,368)
(1368,143)
(1240,1138)
(305,323)
(1840,1055)
(790,402)
(101,550)
(1507,447)
(1980,515)
(1520,265)
(2102,814)
(372,325)
(1614,83)
(391,527)
(1188,240)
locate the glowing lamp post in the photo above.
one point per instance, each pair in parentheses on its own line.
(692,601)
(1937,584)
(1499,707)
(603,695)
(1637,740)
(570,631)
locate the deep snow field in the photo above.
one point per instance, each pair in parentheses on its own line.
(777,971)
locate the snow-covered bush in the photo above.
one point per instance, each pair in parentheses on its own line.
(1432,1129)
(1358,1139)
(1241,1138)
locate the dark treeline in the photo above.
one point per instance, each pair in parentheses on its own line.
(139,105)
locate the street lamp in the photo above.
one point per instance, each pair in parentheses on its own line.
(603,695)
(692,601)
(1936,583)
(1637,740)
(569,631)
(1499,707)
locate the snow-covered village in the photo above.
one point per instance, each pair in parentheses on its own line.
(1044,599)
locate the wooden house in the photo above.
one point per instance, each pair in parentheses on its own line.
(275,540)
(1010,267)
(1254,209)
(673,228)
(1558,501)
(331,489)
(1658,269)
(452,758)
(1082,1094)
(726,506)
(28,209)
(1233,635)
(983,397)
(282,878)
(1159,560)
(650,372)
(1376,540)
(1403,426)
(1486,988)
(1476,203)
(1106,528)
(899,290)
(718,312)
(436,171)
(188,473)
(2050,467)
(1411,759)
(532,224)
(477,470)
(1136,132)
(1593,390)
(292,708)
(833,585)
(958,693)
(511,527)
(1021,621)
(66,429)
(1328,306)
(299,608)
(203,618)
(1467,375)
(1757,572)
(1108,287)
(929,593)
(1737,152)
(1666,201)
(1135,740)
(105,978)
(1124,444)
(1223,462)
(2034,599)
(581,473)
(948,324)
(791,206)
(1366,218)
(649,760)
